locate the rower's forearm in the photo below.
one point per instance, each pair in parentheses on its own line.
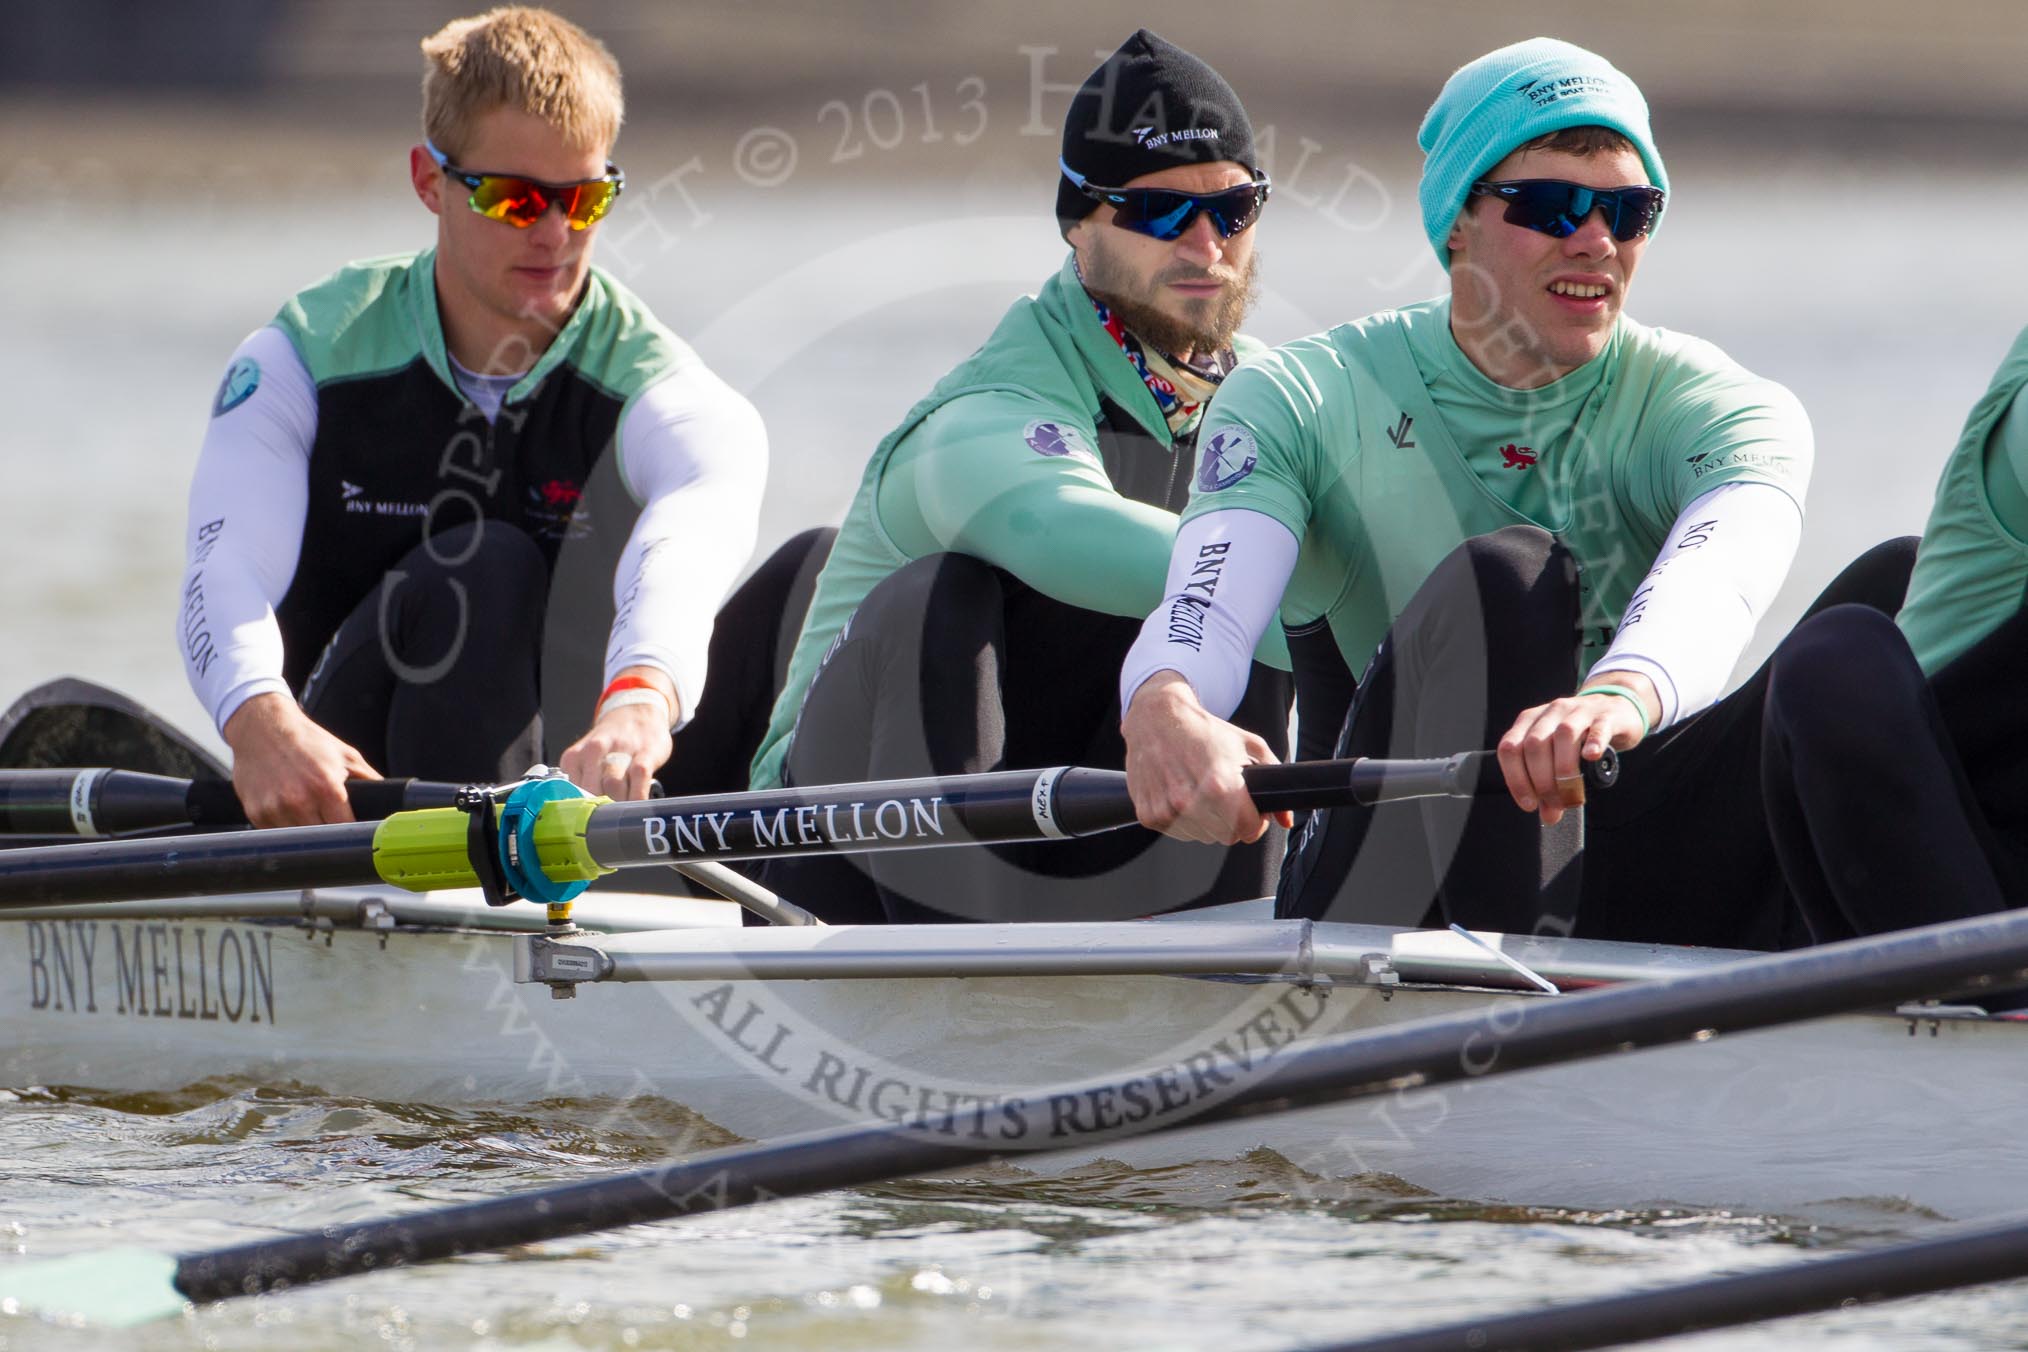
(249,501)
(227,631)
(1227,572)
(694,453)
(666,598)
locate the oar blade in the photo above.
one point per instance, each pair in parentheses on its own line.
(112,1288)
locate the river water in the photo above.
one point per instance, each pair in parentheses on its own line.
(834,311)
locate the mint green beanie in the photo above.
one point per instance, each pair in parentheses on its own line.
(1508,98)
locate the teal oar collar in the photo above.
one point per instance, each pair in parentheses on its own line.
(518,858)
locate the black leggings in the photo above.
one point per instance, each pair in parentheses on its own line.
(430,677)
(1896,800)
(1678,852)
(951,666)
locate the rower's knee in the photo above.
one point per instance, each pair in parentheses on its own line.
(1846,669)
(1877,578)
(501,554)
(927,589)
(513,571)
(800,557)
(1521,580)
(484,578)
(1515,565)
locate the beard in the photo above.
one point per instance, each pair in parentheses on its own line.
(1203,327)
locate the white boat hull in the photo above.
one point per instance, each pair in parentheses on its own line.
(1877,1108)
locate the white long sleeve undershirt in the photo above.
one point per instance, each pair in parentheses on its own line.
(248,501)
(1684,628)
(1696,610)
(692,450)
(1227,572)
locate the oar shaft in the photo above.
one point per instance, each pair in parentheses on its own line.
(1512,1035)
(89,802)
(1990,1252)
(792,1169)
(189,866)
(995,808)
(1008,805)
(101,802)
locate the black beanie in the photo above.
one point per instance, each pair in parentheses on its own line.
(1150,106)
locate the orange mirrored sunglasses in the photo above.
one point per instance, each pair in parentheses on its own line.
(521,202)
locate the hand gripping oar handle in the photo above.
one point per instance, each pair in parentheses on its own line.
(113,802)
(213,803)
(1470,774)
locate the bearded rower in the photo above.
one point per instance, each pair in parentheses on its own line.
(425,476)
(1009,534)
(1473,501)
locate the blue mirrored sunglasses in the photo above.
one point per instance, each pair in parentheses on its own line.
(1557,208)
(1165,215)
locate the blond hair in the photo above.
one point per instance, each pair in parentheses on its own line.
(522,58)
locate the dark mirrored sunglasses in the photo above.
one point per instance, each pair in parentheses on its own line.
(1165,215)
(1557,208)
(521,202)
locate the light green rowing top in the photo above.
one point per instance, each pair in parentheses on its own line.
(1382,448)
(1972,570)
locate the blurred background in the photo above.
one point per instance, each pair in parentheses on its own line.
(834,200)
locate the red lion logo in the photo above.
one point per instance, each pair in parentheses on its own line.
(560,493)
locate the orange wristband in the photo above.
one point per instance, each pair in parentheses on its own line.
(626,683)
(634,690)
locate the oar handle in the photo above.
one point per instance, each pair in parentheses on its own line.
(213,803)
(1318,784)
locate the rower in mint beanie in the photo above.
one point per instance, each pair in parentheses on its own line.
(1508,98)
